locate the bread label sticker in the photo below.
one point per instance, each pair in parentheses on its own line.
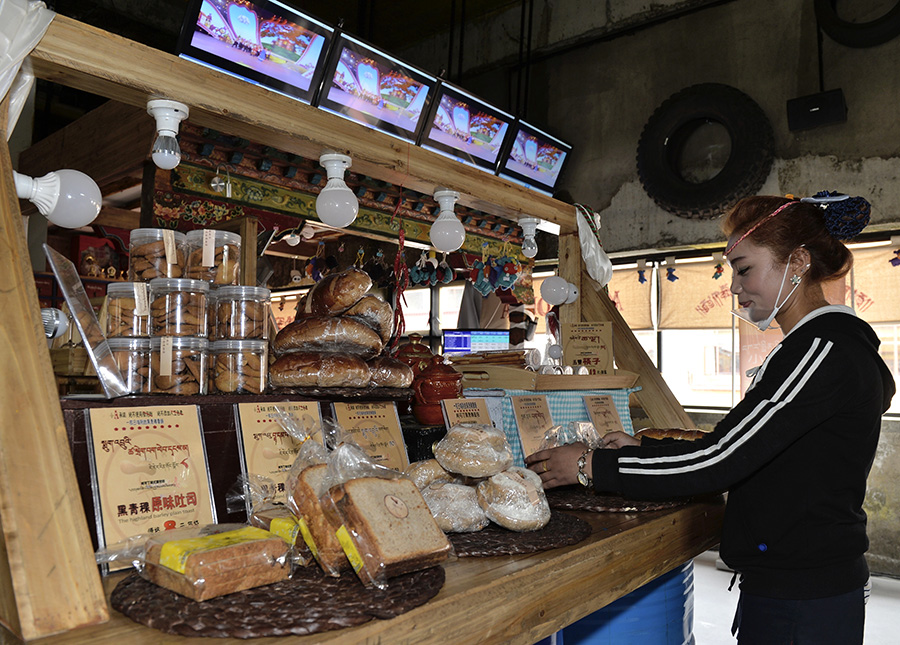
(141,301)
(175,553)
(343,536)
(209,248)
(169,245)
(165,356)
(396,506)
(285,528)
(307,537)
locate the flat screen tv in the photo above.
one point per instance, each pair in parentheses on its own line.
(534,158)
(261,41)
(466,128)
(371,87)
(466,341)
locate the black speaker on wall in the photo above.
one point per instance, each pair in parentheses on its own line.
(816,110)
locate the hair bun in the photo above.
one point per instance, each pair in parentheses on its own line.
(845,217)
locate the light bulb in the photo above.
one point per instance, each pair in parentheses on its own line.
(68,198)
(572,295)
(166,152)
(336,205)
(447,232)
(293,239)
(529,247)
(554,290)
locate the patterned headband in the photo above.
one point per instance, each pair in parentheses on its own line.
(757,225)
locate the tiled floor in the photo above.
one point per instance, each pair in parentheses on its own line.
(714,606)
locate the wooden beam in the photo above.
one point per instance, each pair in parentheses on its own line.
(118,218)
(48,579)
(80,56)
(570,263)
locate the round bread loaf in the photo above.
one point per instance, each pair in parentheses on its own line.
(390,372)
(474,450)
(515,500)
(426,472)
(670,433)
(327,334)
(309,369)
(335,293)
(455,507)
(376,313)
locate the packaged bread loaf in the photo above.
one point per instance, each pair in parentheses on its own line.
(427,471)
(390,372)
(329,334)
(455,507)
(335,293)
(317,529)
(515,500)
(215,560)
(307,369)
(386,528)
(374,312)
(474,450)
(670,433)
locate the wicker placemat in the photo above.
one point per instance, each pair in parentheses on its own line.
(562,530)
(308,603)
(579,498)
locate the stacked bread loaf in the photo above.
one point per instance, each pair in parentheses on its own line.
(471,481)
(338,338)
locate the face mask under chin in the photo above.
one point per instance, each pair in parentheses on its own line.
(764,323)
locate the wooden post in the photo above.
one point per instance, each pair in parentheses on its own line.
(48,579)
(570,265)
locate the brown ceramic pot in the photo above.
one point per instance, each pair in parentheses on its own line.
(433,384)
(415,353)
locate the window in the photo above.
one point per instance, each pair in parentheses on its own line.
(416,307)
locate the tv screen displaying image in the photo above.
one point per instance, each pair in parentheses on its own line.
(260,41)
(466,341)
(374,89)
(466,128)
(534,158)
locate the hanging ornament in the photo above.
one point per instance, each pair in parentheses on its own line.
(895,261)
(360,259)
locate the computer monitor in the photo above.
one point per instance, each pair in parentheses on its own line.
(466,341)
(375,89)
(260,41)
(534,158)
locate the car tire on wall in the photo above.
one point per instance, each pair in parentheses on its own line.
(669,128)
(857,34)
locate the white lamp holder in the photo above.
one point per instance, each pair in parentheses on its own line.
(168,115)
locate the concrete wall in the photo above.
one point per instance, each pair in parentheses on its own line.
(595,84)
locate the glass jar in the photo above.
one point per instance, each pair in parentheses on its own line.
(242,313)
(238,366)
(178,307)
(147,257)
(124,301)
(211,299)
(178,365)
(214,256)
(132,355)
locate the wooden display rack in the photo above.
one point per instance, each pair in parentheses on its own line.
(48,580)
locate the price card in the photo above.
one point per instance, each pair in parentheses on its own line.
(148,470)
(266,448)
(465,411)
(603,414)
(588,344)
(532,419)
(376,428)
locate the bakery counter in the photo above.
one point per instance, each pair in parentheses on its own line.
(505,599)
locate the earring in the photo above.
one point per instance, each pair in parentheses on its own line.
(795,279)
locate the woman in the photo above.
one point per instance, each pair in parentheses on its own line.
(794,454)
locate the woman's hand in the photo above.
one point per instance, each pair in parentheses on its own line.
(558,466)
(618,439)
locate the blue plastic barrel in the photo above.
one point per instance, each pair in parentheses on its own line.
(659,613)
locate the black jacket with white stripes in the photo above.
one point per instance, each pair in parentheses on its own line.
(793,455)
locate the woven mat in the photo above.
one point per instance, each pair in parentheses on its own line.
(308,603)
(562,530)
(579,498)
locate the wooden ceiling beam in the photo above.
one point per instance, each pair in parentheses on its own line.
(80,56)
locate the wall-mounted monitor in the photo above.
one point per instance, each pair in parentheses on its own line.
(261,41)
(375,89)
(534,158)
(466,341)
(466,128)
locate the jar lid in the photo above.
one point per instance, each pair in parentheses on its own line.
(243,293)
(121,288)
(144,235)
(195,237)
(134,343)
(246,345)
(178,284)
(181,342)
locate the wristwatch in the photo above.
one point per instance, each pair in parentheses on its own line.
(583,478)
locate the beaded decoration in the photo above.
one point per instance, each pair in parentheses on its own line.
(845,216)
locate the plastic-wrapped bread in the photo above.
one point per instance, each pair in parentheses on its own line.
(426,472)
(390,372)
(374,312)
(515,500)
(455,507)
(317,529)
(474,450)
(327,334)
(335,293)
(309,369)
(670,433)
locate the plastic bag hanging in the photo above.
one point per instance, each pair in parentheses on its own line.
(596,261)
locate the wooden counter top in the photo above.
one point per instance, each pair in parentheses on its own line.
(505,599)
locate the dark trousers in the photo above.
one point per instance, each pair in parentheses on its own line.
(838,620)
